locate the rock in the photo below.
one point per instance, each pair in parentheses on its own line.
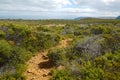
(60,67)
(44,75)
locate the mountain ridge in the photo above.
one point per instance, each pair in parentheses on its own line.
(79,18)
(118,17)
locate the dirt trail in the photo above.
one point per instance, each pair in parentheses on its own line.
(39,67)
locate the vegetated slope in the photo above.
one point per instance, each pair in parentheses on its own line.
(94,54)
(39,67)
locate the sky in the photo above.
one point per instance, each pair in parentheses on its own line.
(58,9)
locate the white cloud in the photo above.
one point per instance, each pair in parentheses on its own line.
(107,2)
(63,7)
(34,4)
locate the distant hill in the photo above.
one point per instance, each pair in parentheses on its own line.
(79,18)
(118,17)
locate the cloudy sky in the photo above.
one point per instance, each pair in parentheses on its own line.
(62,9)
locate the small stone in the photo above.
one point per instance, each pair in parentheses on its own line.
(60,67)
(44,75)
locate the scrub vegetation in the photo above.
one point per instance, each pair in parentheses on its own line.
(94,52)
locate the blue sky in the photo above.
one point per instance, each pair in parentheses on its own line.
(58,9)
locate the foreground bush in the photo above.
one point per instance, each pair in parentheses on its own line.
(5,52)
(61,75)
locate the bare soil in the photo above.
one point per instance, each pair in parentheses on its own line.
(39,66)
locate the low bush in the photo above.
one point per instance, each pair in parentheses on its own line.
(56,56)
(5,52)
(2,34)
(61,75)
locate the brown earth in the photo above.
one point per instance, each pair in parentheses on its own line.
(39,66)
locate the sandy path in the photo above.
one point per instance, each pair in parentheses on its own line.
(39,67)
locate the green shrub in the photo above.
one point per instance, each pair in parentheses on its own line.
(55,56)
(11,31)
(111,42)
(101,30)
(42,29)
(2,34)
(20,56)
(5,51)
(97,30)
(46,40)
(61,75)
(20,68)
(7,77)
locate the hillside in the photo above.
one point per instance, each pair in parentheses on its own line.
(118,17)
(79,18)
(87,49)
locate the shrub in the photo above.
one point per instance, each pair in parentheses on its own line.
(55,56)
(20,56)
(97,30)
(5,51)
(47,40)
(2,34)
(101,30)
(20,68)
(11,31)
(111,42)
(61,75)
